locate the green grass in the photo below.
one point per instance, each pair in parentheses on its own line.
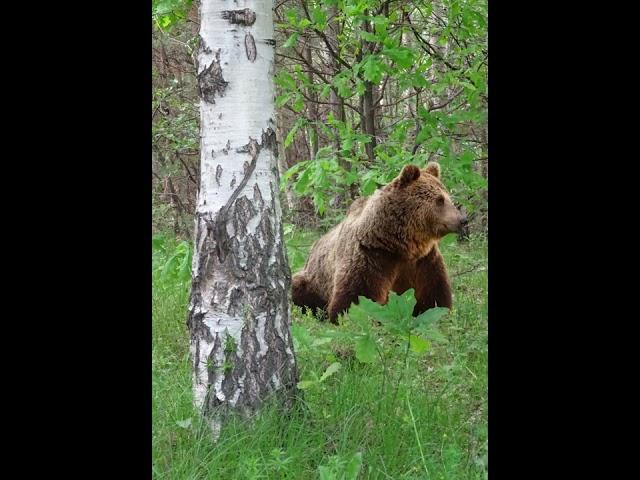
(426,421)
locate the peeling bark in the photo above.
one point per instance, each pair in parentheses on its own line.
(246,17)
(239,309)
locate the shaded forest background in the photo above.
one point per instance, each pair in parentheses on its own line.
(363,88)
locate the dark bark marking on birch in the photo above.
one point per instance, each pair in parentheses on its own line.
(204,47)
(250,47)
(246,17)
(269,41)
(260,285)
(257,197)
(218,174)
(211,82)
(253,148)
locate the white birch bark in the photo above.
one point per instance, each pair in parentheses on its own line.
(239,310)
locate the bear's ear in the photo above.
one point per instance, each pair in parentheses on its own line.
(409,174)
(433,168)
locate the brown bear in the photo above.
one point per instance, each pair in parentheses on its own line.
(388,241)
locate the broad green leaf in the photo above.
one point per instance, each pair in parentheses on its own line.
(358,315)
(425,319)
(434,334)
(282,99)
(402,56)
(419,80)
(418,344)
(369,37)
(374,309)
(366,349)
(353,467)
(402,305)
(350,177)
(319,18)
(292,16)
(369,186)
(326,473)
(424,133)
(291,41)
(373,69)
(285,80)
(331,369)
(342,84)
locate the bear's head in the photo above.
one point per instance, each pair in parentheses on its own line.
(424,203)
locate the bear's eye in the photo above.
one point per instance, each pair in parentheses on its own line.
(440,200)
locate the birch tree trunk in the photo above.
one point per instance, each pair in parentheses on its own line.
(239,310)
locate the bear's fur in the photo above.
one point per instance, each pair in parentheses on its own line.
(388,241)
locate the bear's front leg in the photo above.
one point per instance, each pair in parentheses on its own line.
(432,286)
(350,286)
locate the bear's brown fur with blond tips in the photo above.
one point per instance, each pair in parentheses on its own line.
(387,242)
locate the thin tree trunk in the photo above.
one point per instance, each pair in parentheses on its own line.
(239,310)
(367,104)
(312,105)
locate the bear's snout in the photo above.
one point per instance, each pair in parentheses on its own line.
(464,220)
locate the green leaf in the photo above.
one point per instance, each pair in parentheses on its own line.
(418,344)
(283,99)
(304,384)
(319,18)
(326,90)
(291,41)
(324,153)
(353,467)
(425,319)
(292,16)
(373,309)
(300,186)
(401,306)
(358,315)
(369,37)
(304,23)
(350,177)
(331,369)
(373,69)
(326,473)
(369,186)
(434,334)
(298,105)
(285,80)
(402,56)
(366,349)
(342,84)
(320,201)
